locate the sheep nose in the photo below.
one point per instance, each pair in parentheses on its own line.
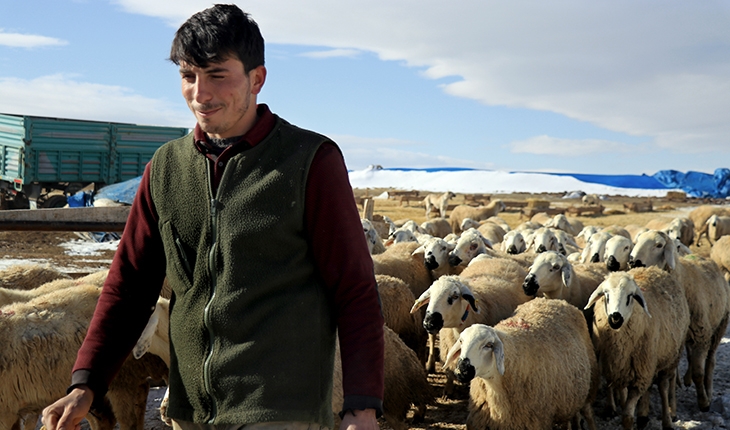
(512,249)
(433,322)
(454,260)
(615,320)
(636,263)
(431,263)
(530,286)
(465,372)
(541,249)
(595,258)
(612,264)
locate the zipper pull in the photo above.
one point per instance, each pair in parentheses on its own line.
(213,207)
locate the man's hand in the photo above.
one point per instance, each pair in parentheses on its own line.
(360,420)
(67,412)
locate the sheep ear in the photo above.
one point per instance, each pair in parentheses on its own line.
(389,241)
(420,250)
(421,301)
(453,355)
(639,297)
(499,355)
(597,293)
(450,246)
(487,243)
(467,295)
(565,272)
(145,339)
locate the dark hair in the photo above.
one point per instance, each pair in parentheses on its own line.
(217,34)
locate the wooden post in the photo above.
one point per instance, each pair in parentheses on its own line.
(368,205)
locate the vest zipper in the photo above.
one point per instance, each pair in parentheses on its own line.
(206,313)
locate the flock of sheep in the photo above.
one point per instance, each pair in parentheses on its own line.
(542,320)
(553,309)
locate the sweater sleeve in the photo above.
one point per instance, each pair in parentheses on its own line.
(127,298)
(346,267)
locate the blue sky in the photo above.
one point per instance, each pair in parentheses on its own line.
(608,87)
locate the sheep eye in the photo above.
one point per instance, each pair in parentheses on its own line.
(556,267)
(489,345)
(473,246)
(659,245)
(628,300)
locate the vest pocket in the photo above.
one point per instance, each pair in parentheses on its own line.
(178,254)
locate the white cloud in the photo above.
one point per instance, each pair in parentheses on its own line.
(17,40)
(636,67)
(332,53)
(546,145)
(64,97)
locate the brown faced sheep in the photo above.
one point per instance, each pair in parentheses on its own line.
(708,295)
(476,213)
(641,318)
(521,378)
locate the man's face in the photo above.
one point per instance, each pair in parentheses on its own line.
(222,96)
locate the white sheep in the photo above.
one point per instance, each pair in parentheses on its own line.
(566,242)
(438,201)
(635,230)
(591,199)
(401,235)
(543,240)
(29,276)
(617,252)
(701,214)
(552,275)
(476,213)
(717,226)
(708,295)
(396,300)
(676,228)
(521,378)
(720,254)
(42,337)
(595,248)
(528,225)
(513,243)
(8,296)
(468,223)
(561,222)
(375,243)
(636,347)
(615,230)
(438,227)
(398,261)
(541,218)
(470,244)
(494,233)
(436,257)
(500,222)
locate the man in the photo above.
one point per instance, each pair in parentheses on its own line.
(253,223)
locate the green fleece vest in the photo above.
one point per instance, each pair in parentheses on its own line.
(252,335)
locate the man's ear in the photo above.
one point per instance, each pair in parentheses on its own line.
(257,77)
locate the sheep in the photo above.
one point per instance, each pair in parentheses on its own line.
(717,226)
(720,254)
(42,337)
(528,225)
(591,199)
(438,227)
(521,378)
(635,230)
(561,222)
(585,234)
(636,347)
(513,243)
(398,261)
(541,218)
(616,230)
(29,276)
(500,222)
(566,242)
(595,248)
(438,201)
(616,253)
(543,240)
(468,223)
(492,232)
(708,295)
(8,296)
(375,243)
(405,380)
(470,244)
(396,300)
(476,213)
(552,275)
(383,224)
(436,257)
(401,235)
(701,214)
(682,229)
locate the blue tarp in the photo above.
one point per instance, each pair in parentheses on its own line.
(122,192)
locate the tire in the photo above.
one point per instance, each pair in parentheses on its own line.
(57,201)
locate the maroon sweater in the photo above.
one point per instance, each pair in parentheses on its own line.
(338,249)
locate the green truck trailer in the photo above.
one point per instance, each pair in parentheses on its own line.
(44,160)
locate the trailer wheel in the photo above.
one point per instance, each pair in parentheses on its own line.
(57,201)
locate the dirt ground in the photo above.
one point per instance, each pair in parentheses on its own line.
(444,413)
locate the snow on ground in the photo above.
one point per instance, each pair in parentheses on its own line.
(484,181)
